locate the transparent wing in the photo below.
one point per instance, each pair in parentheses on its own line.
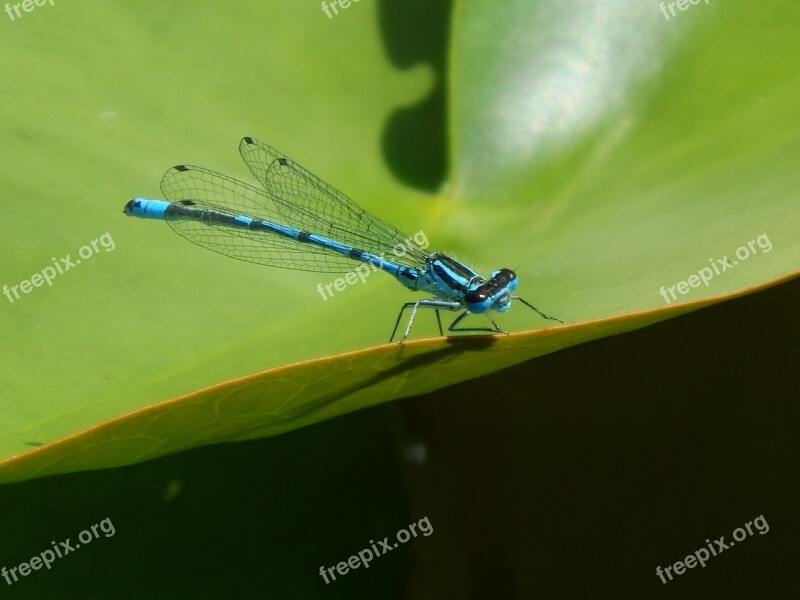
(306,202)
(210,190)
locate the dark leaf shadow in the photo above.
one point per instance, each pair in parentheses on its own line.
(414,139)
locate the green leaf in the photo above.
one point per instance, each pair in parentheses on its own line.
(597,148)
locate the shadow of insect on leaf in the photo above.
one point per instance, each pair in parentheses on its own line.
(456,345)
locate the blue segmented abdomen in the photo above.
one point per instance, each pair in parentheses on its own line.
(146,209)
(159,209)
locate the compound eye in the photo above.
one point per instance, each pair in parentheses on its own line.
(508,274)
(506,279)
(503,275)
(479,300)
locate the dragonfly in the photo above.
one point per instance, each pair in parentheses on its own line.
(297,221)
